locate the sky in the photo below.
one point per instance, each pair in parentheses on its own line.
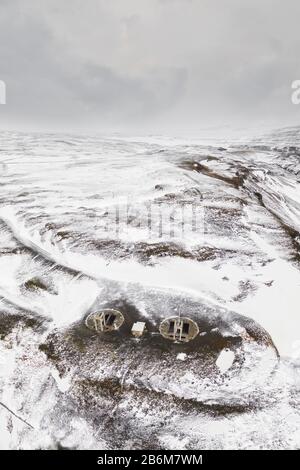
(148,65)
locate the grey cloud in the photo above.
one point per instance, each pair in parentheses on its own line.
(182,63)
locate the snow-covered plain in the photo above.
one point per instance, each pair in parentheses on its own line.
(75,236)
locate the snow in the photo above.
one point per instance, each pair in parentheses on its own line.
(225,360)
(181,356)
(52,226)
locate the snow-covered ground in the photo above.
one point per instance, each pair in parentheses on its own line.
(155,227)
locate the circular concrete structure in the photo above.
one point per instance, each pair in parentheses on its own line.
(179,329)
(105,320)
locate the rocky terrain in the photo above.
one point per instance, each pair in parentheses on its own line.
(152,227)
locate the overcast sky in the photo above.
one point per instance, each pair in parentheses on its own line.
(158,65)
